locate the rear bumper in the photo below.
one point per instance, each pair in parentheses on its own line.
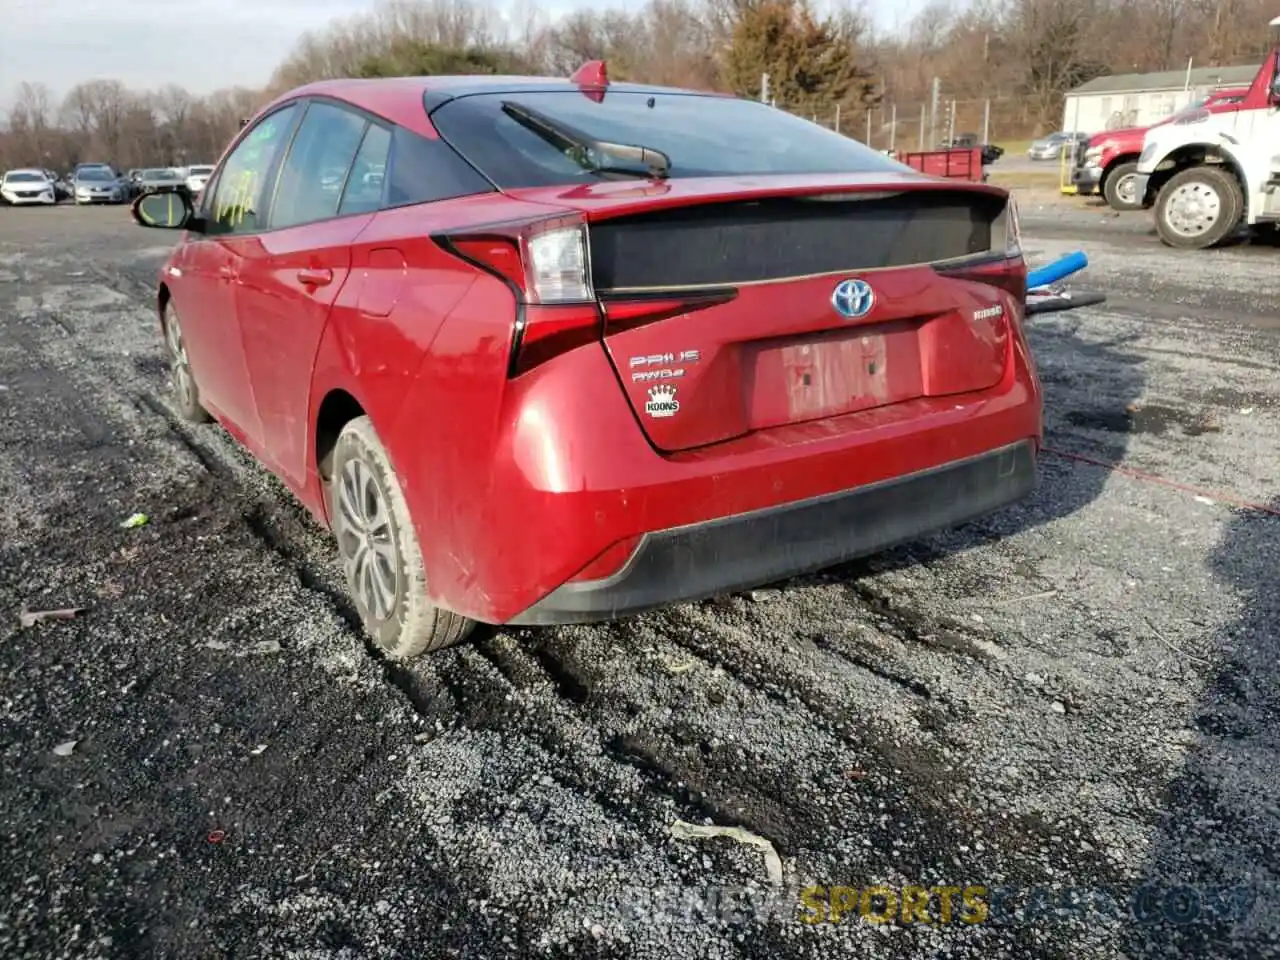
(548,504)
(735,553)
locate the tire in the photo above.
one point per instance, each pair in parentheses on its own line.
(371,523)
(1183,228)
(1118,190)
(186,395)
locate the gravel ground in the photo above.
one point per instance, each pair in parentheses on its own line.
(1072,704)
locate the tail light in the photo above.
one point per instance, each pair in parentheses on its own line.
(1004,267)
(1009,274)
(547,264)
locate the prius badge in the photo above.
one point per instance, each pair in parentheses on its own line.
(853,298)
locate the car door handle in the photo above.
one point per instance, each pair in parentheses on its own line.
(315,277)
(226,273)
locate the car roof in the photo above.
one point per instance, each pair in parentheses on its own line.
(25,170)
(401,99)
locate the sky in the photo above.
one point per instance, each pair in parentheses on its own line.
(201,46)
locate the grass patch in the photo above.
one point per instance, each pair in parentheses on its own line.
(1021,180)
(1013,148)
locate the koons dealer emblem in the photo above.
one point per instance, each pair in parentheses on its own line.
(662,401)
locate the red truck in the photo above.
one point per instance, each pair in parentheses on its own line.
(1109,160)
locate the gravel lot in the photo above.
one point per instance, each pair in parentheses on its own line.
(1075,699)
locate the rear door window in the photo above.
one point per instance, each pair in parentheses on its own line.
(315,170)
(702,136)
(367,182)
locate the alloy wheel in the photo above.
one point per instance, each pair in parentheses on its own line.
(183,381)
(365,539)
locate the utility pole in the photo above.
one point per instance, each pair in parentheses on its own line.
(986,122)
(933,114)
(837,126)
(868,141)
(764,88)
(893,127)
(951,124)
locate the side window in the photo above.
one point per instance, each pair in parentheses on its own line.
(315,171)
(423,170)
(237,202)
(363,193)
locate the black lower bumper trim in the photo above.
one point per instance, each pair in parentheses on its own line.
(1086,179)
(740,552)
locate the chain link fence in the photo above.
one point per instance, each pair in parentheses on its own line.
(917,126)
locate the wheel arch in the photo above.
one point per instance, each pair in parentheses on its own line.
(163,297)
(1194,155)
(1110,168)
(335,411)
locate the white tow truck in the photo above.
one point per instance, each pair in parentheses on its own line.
(1215,172)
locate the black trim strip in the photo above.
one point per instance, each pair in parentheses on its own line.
(765,546)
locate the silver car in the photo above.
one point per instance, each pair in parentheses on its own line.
(160,179)
(1053,146)
(98,185)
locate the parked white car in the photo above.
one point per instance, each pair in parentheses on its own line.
(22,187)
(197,177)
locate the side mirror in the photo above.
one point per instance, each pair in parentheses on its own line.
(1274,91)
(163,211)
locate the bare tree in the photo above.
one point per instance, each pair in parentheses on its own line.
(1023,54)
(1050,45)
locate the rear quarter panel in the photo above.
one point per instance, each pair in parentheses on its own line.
(379,339)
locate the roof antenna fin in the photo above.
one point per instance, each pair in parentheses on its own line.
(593,79)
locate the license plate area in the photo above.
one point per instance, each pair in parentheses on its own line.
(827,375)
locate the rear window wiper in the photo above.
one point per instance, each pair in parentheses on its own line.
(585,150)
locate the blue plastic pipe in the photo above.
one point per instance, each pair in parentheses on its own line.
(1060,269)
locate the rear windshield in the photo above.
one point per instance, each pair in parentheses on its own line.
(160,174)
(95,173)
(199,171)
(703,137)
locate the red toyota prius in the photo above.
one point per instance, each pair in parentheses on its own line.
(550,351)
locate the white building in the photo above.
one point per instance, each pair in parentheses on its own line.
(1141,99)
